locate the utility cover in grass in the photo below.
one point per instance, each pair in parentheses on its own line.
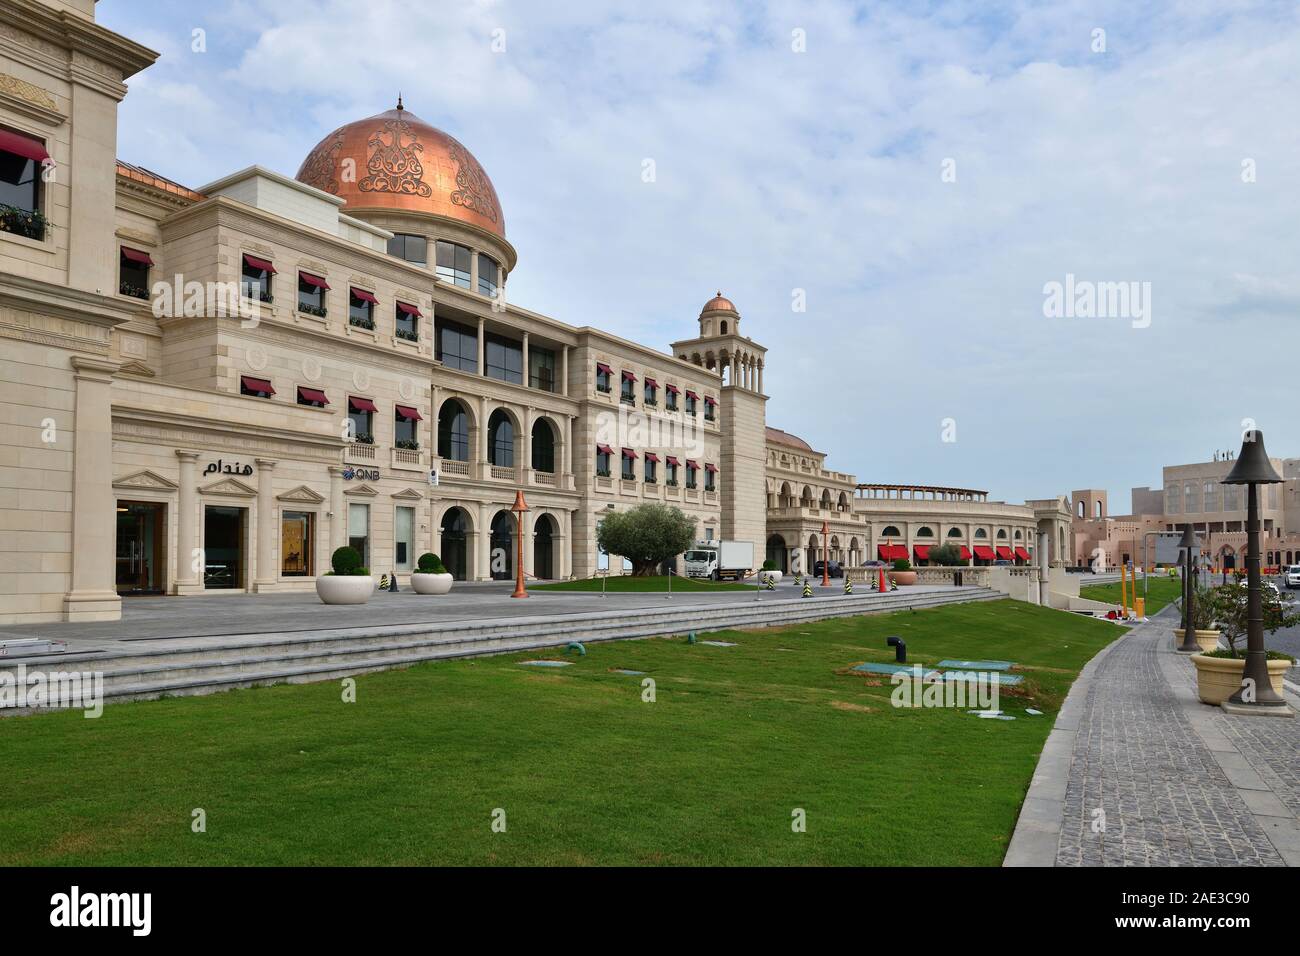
(1005,680)
(980,665)
(629,673)
(546,663)
(871,668)
(718,643)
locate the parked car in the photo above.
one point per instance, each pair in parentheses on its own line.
(1292,576)
(875,564)
(835,570)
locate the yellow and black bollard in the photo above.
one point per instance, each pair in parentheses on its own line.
(769,584)
(848,586)
(807,589)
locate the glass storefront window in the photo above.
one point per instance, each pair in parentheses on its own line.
(403,538)
(296,543)
(359,531)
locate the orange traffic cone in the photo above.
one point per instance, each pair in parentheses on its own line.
(882,587)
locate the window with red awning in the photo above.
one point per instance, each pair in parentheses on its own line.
(135,255)
(672,388)
(651,456)
(24,146)
(604,450)
(1021,553)
(672,461)
(253,262)
(260,386)
(410,310)
(314,281)
(604,369)
(409,413)
(628,376)
(922,551)
(361,404)
(312,396)
(983,552)
(628,453)
(711,468)
(364,296)
(1005,553)
(965,553)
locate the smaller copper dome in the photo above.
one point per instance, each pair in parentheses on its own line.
(719,303)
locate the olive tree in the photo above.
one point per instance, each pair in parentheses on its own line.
(646,535)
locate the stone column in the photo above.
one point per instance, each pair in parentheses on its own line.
(473,270)
(433,423)
(525,445)
(527,378)
(338,512)
(564,371)
(482,368)
(92,592)
(566,454)
(760,377)
(530,525)
(266,571)
(566,545)
(185,580)
(1044,589)
(483,553)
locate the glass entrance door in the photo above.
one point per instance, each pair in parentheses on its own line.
(223,548)
(140,529)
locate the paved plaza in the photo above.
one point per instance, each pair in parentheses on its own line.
(1138,772)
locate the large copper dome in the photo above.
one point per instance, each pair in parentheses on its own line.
(400,162)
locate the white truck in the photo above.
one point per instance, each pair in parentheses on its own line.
(720,559)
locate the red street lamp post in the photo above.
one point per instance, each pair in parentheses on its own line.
(519,508)
(826,555)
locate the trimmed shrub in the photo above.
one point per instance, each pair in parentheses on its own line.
(902,564)
(430,563)
(347,561)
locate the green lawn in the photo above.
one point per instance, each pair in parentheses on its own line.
(1161,590)
(586,771)
(625,582)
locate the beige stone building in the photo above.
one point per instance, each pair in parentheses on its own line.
(208,390)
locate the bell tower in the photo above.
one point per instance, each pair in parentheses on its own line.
(743,418)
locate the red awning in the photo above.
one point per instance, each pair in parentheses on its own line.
(690,394)
(628,453)
(361,404)
(24,146)
(365,296)
(922,551)
(256,384)
(135,255)
(602,367)
(628,376)
(983,552)
(1021,553)
(710,467)
(254,262)
(604,450)
(1005,553)
(651,382)
(965,553)
(672,460)
(671,388)
(892,552)
(692,463)
(651,456)
(312,395)
(410,310)
(317,281)
(407,412)
(710,401)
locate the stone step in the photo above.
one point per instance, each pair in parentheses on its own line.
(315,656)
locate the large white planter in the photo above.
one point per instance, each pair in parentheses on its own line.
(345,589)
(431,583)
(773,576)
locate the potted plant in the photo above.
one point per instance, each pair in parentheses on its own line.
(1219,672)
(902,573)
(769,573)
(1204,630)
(431,575)
(348,582)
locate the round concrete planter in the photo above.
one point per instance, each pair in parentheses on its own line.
(1218,678)
(902,578)
(345,588)
(773,576)
(1209,640)
(431,583)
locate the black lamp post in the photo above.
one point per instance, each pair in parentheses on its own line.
(1191,548)
(1256,694)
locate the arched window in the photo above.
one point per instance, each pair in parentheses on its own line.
(724,326)
(501,440)
(891,531)
(1002,535)
(981,533)
(1082,508)
(925,532)
(1018,535)
(453,431)
(954,532)
(543,446)
(1097,509)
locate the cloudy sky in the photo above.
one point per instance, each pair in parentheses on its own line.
(921,171)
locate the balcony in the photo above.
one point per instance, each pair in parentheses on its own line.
(408,459)
(453,468)
(359,453)
(545,478)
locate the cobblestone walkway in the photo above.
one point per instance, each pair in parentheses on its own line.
(1158,779)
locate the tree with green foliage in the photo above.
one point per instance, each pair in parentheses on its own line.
(946,555)
(1230,612)
(646,535)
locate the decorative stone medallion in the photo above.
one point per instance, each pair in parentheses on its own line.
(361,379)
(256,358)
(311,369)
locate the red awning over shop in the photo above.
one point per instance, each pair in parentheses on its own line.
(361,404)
(651,456)
(628,453)
(672,460)
(983,552)
(135,255)
(312,395)
(256,384)
(604,450)
(922,551)
(255,263)
(1021,553)
(410,310)
(409,413)
(1005,553)
(965,553)
(312,280)
(892,552)
(24,146)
